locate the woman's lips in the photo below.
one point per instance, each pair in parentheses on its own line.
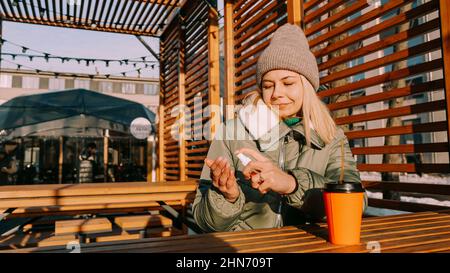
(281,105)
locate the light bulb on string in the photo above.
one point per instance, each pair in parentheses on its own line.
(107,63)
(46,56)
(31,58)
(24,49)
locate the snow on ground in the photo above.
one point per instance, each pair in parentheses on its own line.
(423,200)
(411,178)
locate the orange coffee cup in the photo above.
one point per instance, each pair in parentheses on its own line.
(344,207)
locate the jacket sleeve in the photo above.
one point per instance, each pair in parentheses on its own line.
(309,183)
(211,211)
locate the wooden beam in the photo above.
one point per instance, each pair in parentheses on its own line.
(213,71)
(444,11)
(160,167)
(150,143)
(294,8)
(105,154)
(85,27)
(229,60)
(60,159)
(181,104)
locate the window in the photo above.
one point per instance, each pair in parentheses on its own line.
(151,89)
(128,88)
(106,87)
(81,84)
(30,82)
(6,81)
(56,84)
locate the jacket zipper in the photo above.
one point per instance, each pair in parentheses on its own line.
(281,162)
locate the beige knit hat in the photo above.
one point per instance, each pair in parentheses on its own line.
(288,50)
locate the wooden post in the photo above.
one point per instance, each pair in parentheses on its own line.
(229,59)
(150,141)
(444,10)
(182,105)
(105,154)
(160,168)
(294,8)
(213,71)
(61,159)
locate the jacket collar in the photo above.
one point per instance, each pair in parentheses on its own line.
(276,134)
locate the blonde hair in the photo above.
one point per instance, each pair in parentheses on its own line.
(316,115)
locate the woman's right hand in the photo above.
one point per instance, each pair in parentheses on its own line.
(223,178)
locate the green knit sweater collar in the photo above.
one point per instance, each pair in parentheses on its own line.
(292,121)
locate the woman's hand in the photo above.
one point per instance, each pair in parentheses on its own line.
(266,176)
(223,178)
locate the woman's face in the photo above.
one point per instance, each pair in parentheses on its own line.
(283,90)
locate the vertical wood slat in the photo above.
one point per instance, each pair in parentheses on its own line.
(149,155)
(60,159)
(181,102)
(229,59)
(160,165)
(444,10)
(213,72)
(295,11)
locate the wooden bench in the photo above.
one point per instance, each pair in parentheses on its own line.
(28,201)
(145,224)
(32,200)
(83,226)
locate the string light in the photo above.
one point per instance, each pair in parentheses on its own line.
(47,56)
(38,71)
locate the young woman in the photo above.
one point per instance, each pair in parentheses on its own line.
(282,184)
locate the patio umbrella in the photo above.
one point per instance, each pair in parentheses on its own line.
(67,111)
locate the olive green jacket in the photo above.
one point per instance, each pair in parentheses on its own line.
(311,166)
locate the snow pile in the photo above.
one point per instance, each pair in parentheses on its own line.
(411,178)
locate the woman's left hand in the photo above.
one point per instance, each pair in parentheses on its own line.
(266,176)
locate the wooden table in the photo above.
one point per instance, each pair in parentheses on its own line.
(63,199)
(415,232)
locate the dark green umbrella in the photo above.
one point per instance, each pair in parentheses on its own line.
(40,108)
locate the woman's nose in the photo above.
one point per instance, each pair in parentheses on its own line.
(278,91)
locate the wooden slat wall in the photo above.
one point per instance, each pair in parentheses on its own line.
(193,86)
(338,42)
(171,51)
(353,55)
(197,94)
(253,23)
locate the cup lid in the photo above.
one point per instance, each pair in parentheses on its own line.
(346,187)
